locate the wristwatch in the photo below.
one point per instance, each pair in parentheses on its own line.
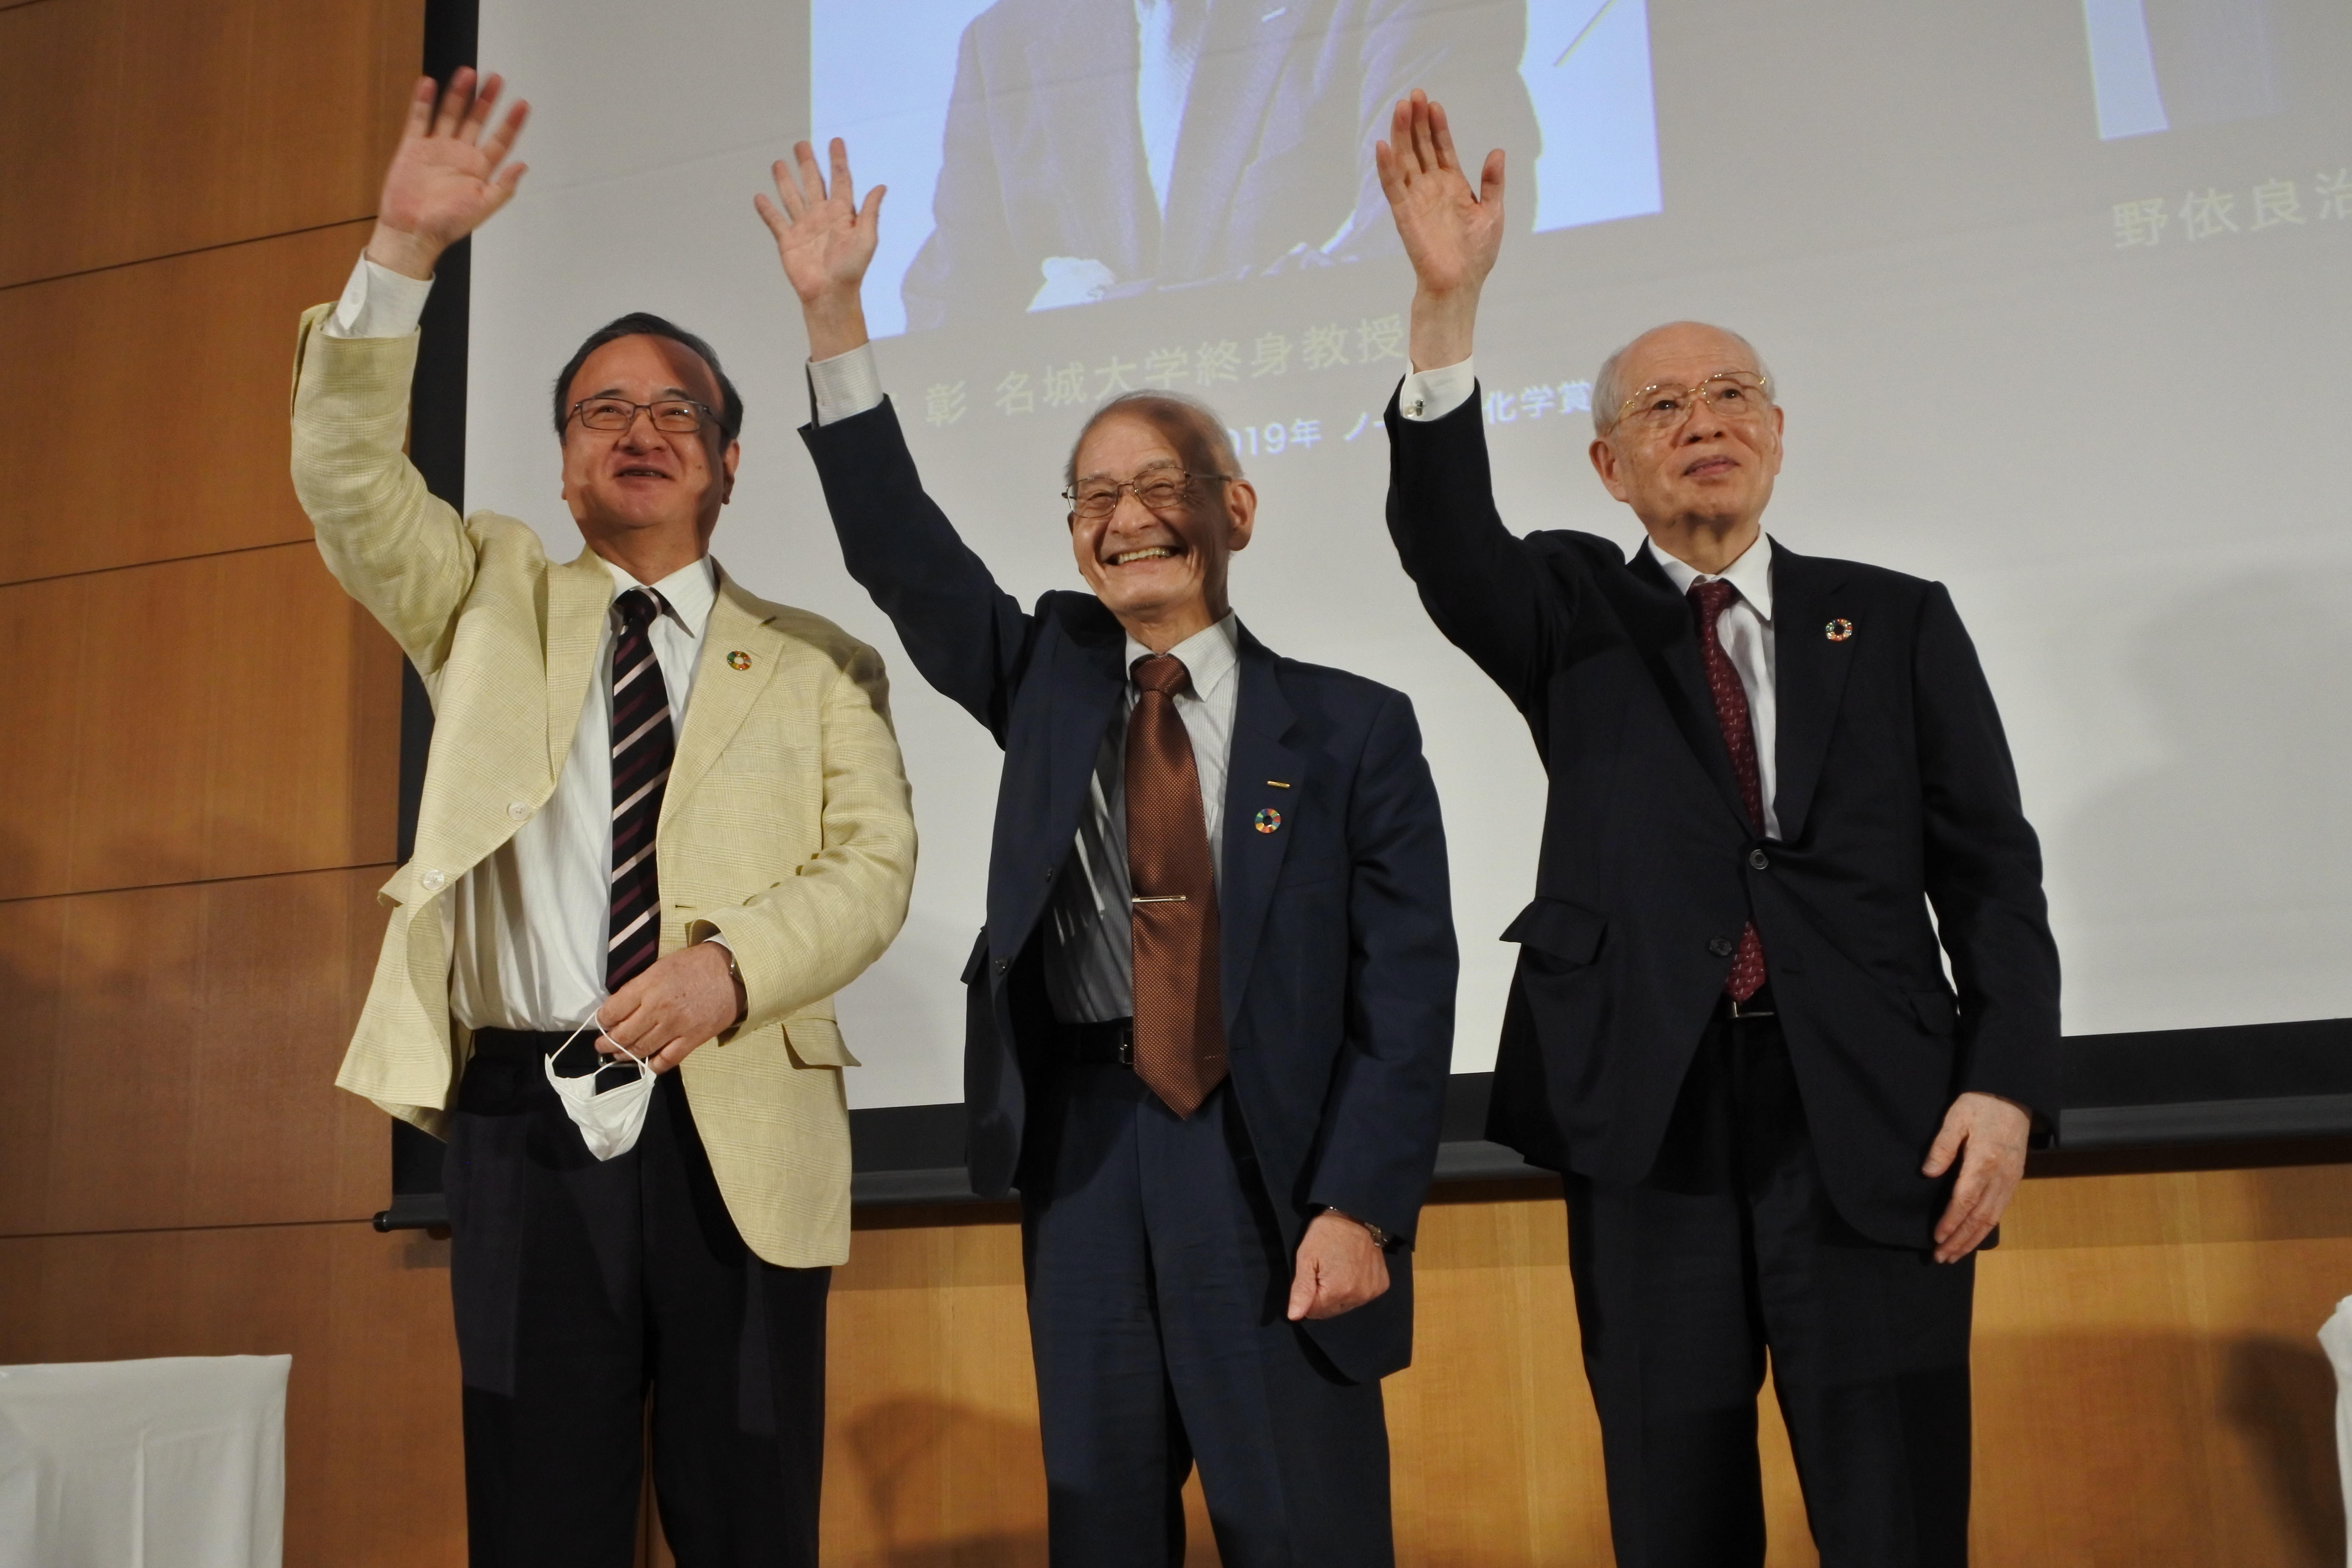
(1381,1238)
(744,1008)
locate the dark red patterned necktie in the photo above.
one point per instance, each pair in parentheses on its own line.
(1180,1028)
(644,741)
(1708,601)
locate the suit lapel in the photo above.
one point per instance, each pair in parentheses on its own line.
(723,695)
(1084,702)
(1253,861)
(1809,675)
(578,593)
(1664,631)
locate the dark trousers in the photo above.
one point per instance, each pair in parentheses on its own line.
(1158,1281)
(1730,1250)
(580,1287)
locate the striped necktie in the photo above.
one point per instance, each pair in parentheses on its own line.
(644,741)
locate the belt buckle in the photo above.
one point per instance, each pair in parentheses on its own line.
(1127,1047)
(1747,1009)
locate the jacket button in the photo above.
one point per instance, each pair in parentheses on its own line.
(1721,946)
(518,809)
(1002,965)
(1049,873)
(1758,858)
(430,879)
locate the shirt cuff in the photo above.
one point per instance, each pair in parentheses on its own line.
(1433,393)
(378,303)
(844,385)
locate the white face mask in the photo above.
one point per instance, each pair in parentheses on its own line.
(608,1122)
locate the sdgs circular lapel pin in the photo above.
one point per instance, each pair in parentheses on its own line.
(1266,820)
(1838,630)
(738,659)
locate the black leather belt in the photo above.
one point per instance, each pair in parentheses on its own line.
(1759,1005)
(1107,1044)
(523,1042)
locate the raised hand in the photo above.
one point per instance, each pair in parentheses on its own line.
(446,178)
(826,241)
(1451,233)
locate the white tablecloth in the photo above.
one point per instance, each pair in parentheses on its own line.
(173,1463)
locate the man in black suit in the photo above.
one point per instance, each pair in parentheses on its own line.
(1212,1011)
(1778,1127)
(1095,149)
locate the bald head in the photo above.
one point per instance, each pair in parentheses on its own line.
(1662,354)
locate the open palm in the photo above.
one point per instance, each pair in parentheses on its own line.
(446,178)
(823,238)
(1451,232)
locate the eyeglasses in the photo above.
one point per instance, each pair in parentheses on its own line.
(1732,394)
(674,415)
(1161,491)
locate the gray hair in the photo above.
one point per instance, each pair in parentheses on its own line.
(1190,426)
(1608,396)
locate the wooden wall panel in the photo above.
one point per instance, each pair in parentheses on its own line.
(2149,1390)
(373,1468)
(144,127)
(173,1053)
(171,378)
(228,716)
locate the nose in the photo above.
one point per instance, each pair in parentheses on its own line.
(631,440)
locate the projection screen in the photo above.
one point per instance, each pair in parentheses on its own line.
(2053,292)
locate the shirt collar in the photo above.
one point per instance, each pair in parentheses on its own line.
(1751,575)
(688,593)
(1209,655)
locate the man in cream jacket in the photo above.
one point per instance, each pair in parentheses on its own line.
(663,822)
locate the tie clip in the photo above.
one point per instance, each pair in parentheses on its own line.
(1157,899)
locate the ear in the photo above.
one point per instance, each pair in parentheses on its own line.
(1611,471)
(726,460)
(1241,514)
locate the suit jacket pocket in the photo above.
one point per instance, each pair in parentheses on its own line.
(1565,933)
(816,1043)
(1938,1015)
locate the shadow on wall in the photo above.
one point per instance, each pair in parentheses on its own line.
(923,1463)
(2227,860)
(2165,1450)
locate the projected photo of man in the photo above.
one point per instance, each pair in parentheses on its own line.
(1102,148)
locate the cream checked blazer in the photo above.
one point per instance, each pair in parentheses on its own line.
(785,824)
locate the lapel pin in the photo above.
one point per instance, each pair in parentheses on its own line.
(1838,630)
(1267,820)
(1277,784)
(738,659)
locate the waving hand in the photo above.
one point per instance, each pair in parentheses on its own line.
(446,178)
(1451,233)
(826,241)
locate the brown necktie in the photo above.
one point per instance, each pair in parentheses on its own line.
(1709,600)
(1180,1031)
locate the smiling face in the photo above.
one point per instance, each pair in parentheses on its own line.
(642,496)
(1710,473)
(1163,574)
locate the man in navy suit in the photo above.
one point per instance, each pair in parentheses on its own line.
(1211,1012)
(1095,150)
(1781,1131)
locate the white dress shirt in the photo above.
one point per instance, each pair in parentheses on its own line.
(1168,46)
(1089,963)
(526,947)
(1745,627)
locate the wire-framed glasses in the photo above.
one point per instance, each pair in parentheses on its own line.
(673,415)
(1732,394)
(1160,489)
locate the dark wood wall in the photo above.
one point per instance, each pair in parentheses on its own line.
(201,805)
